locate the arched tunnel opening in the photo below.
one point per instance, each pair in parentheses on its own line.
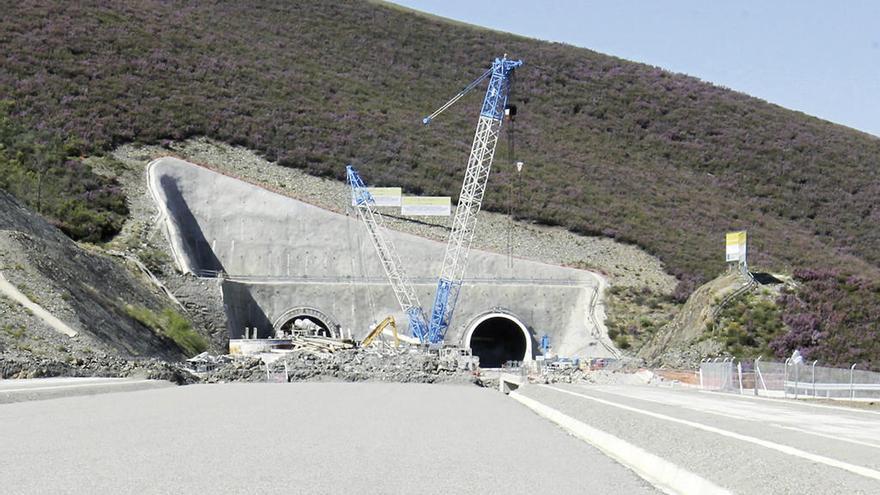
(307,325)
(498,339)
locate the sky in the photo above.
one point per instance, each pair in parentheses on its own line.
(819,57)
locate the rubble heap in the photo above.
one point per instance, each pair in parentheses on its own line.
(93,365)
(388,364)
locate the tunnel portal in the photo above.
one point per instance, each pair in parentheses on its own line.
(307,324)
(306,320)
(497,338)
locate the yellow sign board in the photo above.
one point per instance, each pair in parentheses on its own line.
(735,246)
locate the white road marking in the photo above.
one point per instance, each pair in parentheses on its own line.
(793,402)
(785,449)
(847,428)
(664,475)
(832,437)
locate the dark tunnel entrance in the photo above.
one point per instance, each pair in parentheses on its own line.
(498,339)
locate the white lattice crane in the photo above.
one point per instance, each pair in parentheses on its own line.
(470,200)
(463,224)
(391,264)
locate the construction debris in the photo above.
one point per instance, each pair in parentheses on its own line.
(98,364)
(317,345)
(319,359)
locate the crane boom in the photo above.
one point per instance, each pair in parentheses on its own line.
(471,197)
(400,283)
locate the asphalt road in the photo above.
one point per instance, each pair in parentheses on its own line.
(741,444)
(297,438)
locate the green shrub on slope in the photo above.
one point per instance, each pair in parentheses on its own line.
(171,324)
(38,170)
(749,324)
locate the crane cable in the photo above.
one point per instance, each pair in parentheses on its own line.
(511,158)
(467,89)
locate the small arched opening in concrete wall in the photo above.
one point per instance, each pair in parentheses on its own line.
(309,320)
(497,337)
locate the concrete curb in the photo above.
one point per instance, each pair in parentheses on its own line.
(25,390)
(664,475)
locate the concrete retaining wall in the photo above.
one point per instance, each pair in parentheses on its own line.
(280,253)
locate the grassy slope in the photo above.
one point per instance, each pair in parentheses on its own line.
(611,147)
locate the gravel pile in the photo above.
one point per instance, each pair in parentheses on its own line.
(688,355)
(602,377)
(627,265)
(354,365)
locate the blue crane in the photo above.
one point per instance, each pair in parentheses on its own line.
(391,264)
(470,200)
(463,224)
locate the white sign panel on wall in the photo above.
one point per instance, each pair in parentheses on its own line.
(383,196)
(431,206)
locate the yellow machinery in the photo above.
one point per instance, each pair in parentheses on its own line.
(387,322)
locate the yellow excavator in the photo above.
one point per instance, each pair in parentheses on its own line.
(387,322)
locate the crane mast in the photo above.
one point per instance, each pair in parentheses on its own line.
(400,283)
(472,190)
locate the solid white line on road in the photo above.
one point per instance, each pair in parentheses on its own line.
(785,449)
(661,473)
(825,435)
(797,402)
(742,417)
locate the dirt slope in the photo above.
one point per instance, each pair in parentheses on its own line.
(86,290)
(679,344)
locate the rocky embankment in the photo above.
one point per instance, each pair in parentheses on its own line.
(92,293)
(682,343)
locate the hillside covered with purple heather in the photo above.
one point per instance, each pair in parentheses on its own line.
(612,148)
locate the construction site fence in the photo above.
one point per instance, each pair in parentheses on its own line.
(790,379)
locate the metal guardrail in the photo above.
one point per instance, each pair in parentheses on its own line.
(792,378)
